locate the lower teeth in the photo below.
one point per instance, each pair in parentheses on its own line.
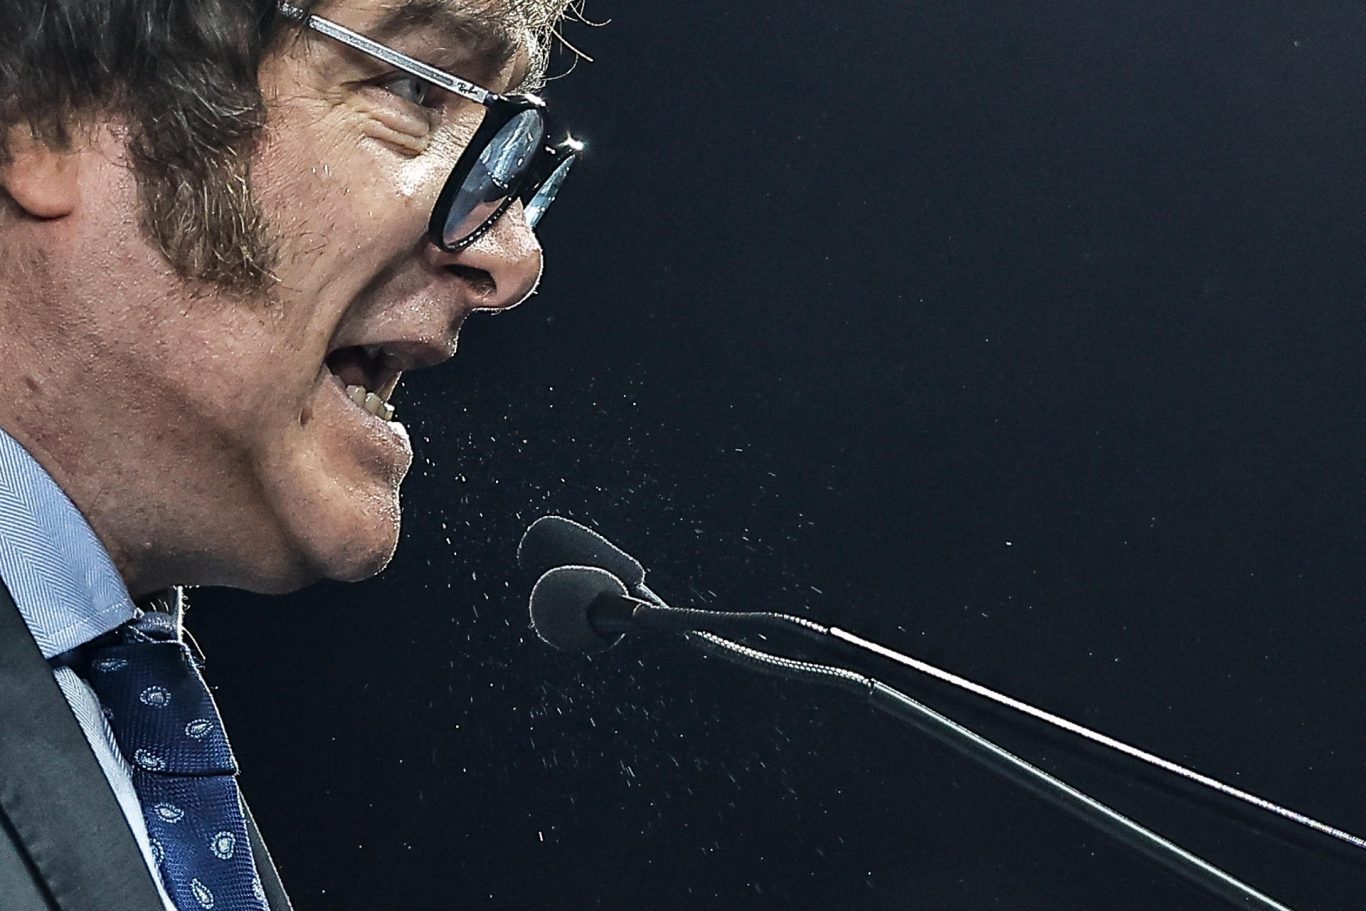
(370,402)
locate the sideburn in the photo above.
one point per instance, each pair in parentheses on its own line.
(205,219)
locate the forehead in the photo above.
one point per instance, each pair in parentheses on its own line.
(495,31)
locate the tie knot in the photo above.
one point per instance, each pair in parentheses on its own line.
(158,707)
(154,624)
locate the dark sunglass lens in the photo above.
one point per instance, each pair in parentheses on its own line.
(545,195)
(495,175)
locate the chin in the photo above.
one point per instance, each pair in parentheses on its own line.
(355,570)
(360,551)
(277,578)
(348,550)
(323,512)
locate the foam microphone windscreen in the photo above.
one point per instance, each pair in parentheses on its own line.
(560,602)
(553,541)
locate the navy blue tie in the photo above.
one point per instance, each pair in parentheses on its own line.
(168,729)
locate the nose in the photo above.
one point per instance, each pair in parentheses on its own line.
(500,269)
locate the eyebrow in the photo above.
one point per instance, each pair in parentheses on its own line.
(491,35)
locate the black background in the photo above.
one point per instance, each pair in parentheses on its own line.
(1026,337)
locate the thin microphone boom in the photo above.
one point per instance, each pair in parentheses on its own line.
(1104,740)
(998,759)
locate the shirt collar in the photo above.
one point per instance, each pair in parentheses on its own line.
(59,574)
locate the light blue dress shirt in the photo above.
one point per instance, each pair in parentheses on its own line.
(68,592)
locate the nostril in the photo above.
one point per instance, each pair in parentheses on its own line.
(480,281)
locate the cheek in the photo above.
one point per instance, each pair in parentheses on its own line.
(413,183)
(416,186)
(349,202)
(402,194)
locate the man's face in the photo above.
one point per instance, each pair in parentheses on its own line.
(283,476)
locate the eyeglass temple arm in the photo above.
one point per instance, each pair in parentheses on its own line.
(409,65)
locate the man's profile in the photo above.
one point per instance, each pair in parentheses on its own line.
(228,227)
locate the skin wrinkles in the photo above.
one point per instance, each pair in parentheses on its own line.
(197,429)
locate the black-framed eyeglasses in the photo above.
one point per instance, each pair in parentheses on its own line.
(507,159)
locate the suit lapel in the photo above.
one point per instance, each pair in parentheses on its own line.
(53,792)
(265,867)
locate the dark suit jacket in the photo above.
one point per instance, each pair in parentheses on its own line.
(64,842)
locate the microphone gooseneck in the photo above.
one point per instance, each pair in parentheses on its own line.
(553,543)
(586,609)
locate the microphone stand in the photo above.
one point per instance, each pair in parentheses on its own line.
(989,755)
(622,614)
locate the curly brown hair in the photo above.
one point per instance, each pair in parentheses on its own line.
(182,75)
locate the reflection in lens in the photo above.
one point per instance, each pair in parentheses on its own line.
(499,168)
(536,206)
(508,155)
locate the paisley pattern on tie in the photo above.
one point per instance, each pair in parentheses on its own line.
(168,728)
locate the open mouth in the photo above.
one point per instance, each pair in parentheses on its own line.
(370,374)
